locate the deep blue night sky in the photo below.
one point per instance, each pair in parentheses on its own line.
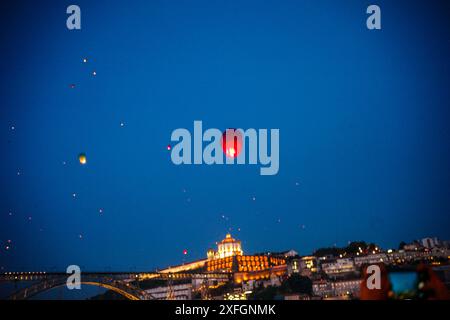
(363,118)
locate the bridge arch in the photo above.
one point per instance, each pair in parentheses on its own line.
(124,289)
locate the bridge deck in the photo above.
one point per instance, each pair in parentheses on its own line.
(33,276)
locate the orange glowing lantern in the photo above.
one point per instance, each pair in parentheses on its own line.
(82,158)
(232,143)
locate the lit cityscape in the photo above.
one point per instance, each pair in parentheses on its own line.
(331,273)
(228,273)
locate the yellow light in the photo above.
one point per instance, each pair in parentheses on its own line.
(231,152)
(82,158)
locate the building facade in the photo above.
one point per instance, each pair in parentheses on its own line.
(430,242)
(174,292)
(338,267)
(228,247)
(345,289)
(230,257)
(371,259)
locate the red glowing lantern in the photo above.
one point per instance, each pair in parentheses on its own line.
(169,147)
(185,252)
(232,143)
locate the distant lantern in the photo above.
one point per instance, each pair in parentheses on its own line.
(82,158)
(232,143)
(169,147)
(185,252)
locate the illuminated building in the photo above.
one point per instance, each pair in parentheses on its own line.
(430,242)
(338,267)
(370,259)
(175,292)
(308,265)
(229,257)
(332,289)
(210,254)
(293,266)
(235,296)
(228,247)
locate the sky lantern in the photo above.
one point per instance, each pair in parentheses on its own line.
(232,145)
(82,158)
(185,252)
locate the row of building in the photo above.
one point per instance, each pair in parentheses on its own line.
(337,277)
(335,267)
(332,277)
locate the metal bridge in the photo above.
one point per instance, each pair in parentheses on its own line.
(123,283)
